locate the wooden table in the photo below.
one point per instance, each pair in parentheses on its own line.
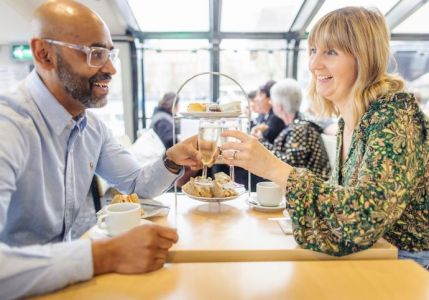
(239,233)
(382,279)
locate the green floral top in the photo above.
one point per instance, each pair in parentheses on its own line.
(381,190)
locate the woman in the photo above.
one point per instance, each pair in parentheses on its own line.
(379,187)
(267,125)
(299,143)
(162,119)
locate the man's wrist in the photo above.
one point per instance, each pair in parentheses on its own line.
(101,258)
(171,165)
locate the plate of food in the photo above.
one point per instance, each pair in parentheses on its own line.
(149,207)
(212,110)
(221,189)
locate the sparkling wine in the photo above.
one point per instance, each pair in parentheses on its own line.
(207,143)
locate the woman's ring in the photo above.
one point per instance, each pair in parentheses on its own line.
(234,154)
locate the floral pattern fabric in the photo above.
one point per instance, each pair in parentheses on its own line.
(300,145)
(381,189)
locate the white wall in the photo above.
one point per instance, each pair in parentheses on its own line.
(11,72)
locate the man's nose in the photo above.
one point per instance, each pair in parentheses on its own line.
(109,67)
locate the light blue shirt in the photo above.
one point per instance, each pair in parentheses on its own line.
(47,161)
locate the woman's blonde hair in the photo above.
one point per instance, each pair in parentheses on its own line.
(362,33)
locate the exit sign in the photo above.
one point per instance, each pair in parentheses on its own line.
(21,52)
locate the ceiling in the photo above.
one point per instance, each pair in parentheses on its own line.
(18,13)
(261,19)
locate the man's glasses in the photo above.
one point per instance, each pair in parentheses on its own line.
(95,56)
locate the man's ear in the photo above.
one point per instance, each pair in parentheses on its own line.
(42,54)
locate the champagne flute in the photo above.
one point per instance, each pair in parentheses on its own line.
(208,137)
(231,124)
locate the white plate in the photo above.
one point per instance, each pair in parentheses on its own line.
(253,203)
(150,211)
(239,191)
(211,114)
(96,233)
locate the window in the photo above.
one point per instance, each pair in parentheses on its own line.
(258,16)
(251,63)
(168,63)
(170,15)
(303,73)
(411,61)
(330,5)
(416,23)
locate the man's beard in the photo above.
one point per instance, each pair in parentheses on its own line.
(79,87)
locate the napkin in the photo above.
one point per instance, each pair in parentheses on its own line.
(285,225)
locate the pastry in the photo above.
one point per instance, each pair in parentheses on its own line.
(213,107)
(133,198)
(231,106)
(197,107)
(216,190)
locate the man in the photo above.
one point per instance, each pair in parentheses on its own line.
(52,146)
(268,125)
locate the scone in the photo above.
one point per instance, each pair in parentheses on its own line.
(219,191)
(197,190)
(221,177)
(133,198)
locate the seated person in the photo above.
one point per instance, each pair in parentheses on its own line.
(52,147)
(254,109)
(379,187)
(162,119)
(267,125)
(299,143)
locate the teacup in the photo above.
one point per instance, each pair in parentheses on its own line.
(119,217)
(269,193)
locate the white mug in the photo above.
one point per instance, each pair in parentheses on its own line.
(268,193)
(119,217)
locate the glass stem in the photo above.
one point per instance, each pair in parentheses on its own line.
(204,171)
(231,173)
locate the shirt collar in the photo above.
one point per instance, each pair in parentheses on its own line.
(55,115)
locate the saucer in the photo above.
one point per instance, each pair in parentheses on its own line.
(253,203)
(151,211)
(96,233)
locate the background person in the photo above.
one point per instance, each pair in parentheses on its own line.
(379,186)
(162,119)
(299,143)
(267,125)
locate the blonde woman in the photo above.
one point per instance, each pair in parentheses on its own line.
(379,186)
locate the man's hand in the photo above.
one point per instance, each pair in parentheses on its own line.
(186,153)
(140,250)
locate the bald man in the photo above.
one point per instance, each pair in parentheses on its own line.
(51,148)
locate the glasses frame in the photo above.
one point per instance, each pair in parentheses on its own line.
(112,54)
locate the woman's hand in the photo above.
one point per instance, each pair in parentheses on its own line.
(251,155)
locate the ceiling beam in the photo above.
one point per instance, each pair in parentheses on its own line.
(215,17)
(305,15)
(127,14)
(402,10)
(409,37)
(220,35)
